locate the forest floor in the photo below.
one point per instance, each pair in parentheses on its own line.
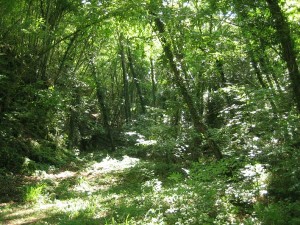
(97,190)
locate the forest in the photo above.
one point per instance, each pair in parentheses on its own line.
(165,112)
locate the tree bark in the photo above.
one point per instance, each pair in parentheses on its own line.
(262,82)
(136,81)
(154,88)
(100,97)
(73,134)
(103,108)
(269,72)
(288,50)
(125,81)
(219,65)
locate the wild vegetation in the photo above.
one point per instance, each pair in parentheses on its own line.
(149,112)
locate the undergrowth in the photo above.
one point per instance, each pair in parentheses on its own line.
(149,181)
(132,191)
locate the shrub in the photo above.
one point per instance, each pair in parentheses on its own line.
(33,192)
(11,160)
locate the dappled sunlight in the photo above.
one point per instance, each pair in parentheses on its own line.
(27,220)
(129,190)
(58,176)
(146,142)
(155,185)
(28,214)
(73,205)
(259,176)
(85,187)
(149,112)
(78,190)
(109,164)
(140,139)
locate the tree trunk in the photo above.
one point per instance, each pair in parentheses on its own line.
(219,65)
(266,68)
(269,72)
(103,108)
(100,97)
(154,88)
(65,57)
(125,81)
(179,82)
(262,82)
(73,134)
(136,81)
(288,51)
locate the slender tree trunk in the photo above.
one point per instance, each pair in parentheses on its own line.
(288,50)
(262,82)
(269,72)
(73,135)
(154,88)
(266,68)
(125,81)
(65,56)
(51,13)
(219,65)
(179,81)
(220,68)
(136,80)
(258,74)
(44,60)
(100,97)
(104,110)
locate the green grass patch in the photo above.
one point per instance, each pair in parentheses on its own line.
(125,190)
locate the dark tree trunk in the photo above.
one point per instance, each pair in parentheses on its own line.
(103,108)
(73,135)
(269,72)
(125,81)
(219,65)
(136,81)
(100,97)
(262,82)
(266,66)
(154,88)
(65,57)
(258,73)
(288,51)
(220,68)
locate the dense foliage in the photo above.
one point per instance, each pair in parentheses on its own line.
(205,93)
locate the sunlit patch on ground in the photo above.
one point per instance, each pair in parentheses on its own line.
(109,164)
(141,139)
(61,175)
(80,189)
(130,191)
(28,214)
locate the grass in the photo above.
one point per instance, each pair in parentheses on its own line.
(125,190)
(69,197)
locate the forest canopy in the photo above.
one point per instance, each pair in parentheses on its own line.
(208,85)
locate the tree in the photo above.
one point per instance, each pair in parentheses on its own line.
(136,79)
(125,79)
(104,111)
(179,82)
(288,50)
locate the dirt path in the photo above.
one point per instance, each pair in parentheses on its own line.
(56,198)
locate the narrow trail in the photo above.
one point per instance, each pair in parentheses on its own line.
(107,190)
(65,194)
